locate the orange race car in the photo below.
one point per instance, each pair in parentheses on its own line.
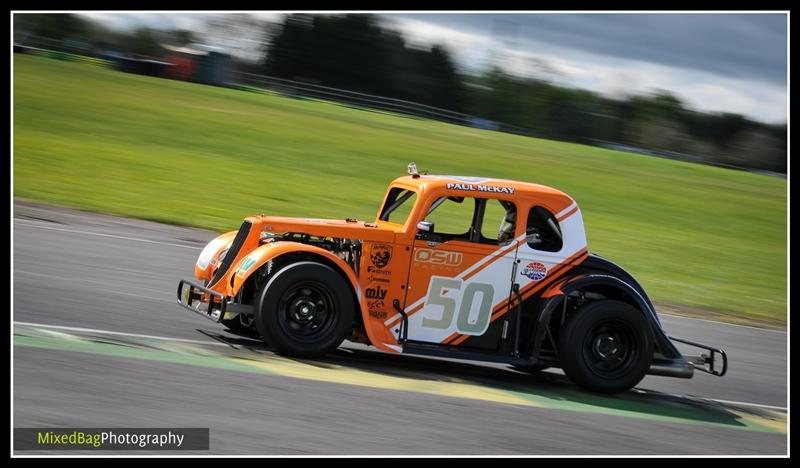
(460,267)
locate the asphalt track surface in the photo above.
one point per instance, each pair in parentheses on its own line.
(100,342)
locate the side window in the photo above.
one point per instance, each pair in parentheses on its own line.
(543,231)
(452,217)
(499,222)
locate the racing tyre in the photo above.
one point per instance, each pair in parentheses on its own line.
(305,310)
(606,346)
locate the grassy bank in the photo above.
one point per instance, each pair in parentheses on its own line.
(89,137)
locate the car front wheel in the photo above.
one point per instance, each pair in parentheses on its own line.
(306,310)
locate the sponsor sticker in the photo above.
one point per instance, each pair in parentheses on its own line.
(376,292)
(438,257)
(378,314)
(375,279)
(245,265)
(535,271)
(380,255)
(378,271)
(377,308)
(480,188)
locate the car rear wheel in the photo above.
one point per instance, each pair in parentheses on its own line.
(606,346)
(305,310)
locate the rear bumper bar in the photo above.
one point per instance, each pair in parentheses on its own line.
(201,300)
(707,363)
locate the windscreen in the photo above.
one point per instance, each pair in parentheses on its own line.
(398,205)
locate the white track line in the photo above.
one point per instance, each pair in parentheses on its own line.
(141,294)
(107,332)
(696,397)
(89,233)
(724,323)
(742,403)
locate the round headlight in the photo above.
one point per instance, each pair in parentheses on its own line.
(208,252)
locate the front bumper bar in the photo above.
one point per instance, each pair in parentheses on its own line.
(201,300)
(706,362)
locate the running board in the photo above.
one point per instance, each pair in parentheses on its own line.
(437,350)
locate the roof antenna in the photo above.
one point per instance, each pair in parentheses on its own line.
(412,170)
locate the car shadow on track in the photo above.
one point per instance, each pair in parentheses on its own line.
(545,388)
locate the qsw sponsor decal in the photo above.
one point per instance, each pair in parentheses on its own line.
(480,188)
(535,271)
(376,292)
(438,257)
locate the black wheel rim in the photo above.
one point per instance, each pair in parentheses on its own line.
(307,311)
(610,349)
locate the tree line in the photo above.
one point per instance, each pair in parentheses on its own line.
(358,52)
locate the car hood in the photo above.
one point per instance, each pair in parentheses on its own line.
(350,229)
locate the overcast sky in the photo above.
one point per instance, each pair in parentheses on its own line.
(714,62)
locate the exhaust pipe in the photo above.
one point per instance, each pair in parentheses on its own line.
(676,368)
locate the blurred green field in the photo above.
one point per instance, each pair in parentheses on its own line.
(92,138)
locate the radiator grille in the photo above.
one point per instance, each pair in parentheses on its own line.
(236,245)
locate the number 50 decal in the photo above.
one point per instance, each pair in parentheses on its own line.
(449,301)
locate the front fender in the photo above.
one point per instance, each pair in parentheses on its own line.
(260,256)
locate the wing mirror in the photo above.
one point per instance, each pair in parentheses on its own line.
(425,232)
